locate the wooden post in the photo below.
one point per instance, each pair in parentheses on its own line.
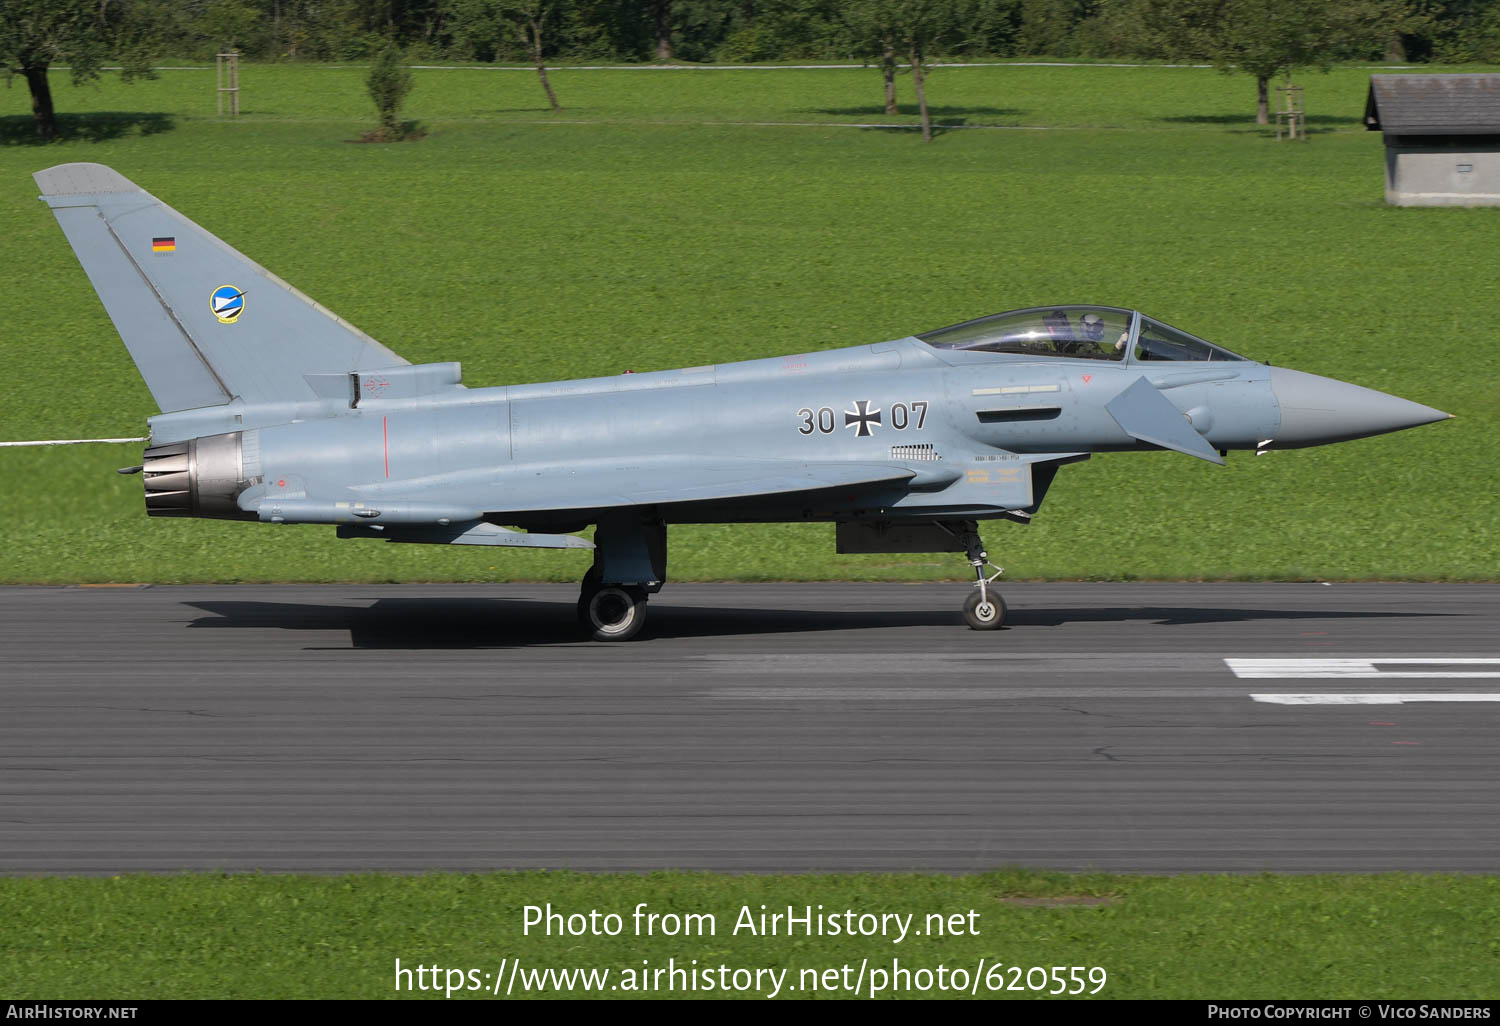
(1290,115)
(227,78)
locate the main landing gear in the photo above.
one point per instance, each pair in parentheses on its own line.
(614,612)
(630,563)
(984,609)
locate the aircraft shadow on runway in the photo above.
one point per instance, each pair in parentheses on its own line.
(452,623)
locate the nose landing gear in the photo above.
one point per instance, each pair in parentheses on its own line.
(984,609)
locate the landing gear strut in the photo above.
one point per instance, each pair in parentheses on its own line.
(984,609)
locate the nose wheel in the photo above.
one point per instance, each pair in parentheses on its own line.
(984,609)
(984,612)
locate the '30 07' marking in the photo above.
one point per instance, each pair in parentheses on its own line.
(863,417)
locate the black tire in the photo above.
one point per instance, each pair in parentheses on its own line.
(615,613)
(990,617)
(589,587)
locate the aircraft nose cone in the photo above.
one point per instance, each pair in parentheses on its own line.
(1316,410)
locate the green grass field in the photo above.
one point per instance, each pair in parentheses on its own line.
(673,218)
(1363,938)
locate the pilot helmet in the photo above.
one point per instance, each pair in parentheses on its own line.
(1093,327)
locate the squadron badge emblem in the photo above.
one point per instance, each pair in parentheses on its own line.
(227,303)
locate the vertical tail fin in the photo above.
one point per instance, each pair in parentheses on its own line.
(203,323)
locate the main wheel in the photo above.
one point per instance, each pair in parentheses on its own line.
(986,612)
(616,613)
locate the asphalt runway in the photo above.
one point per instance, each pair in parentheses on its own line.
(764,728)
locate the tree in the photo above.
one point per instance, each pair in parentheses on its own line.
(873,35)
(230,24)
(874,27)
(661,28)
(1048,26)
(389,82)
(34,34)
(1450,31)
(921,24)
(530,17)
(486,23)
(887,31)
(1268,37)
(798,29)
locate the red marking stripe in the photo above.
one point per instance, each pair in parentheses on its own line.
(385,439)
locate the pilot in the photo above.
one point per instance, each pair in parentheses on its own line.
(1085,342)
(1093,330)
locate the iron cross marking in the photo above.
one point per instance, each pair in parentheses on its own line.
(863,416)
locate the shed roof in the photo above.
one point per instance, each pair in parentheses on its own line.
(1434,104)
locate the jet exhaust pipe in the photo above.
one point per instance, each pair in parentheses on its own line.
(201,477)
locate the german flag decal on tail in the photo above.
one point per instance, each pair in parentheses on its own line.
(167,244)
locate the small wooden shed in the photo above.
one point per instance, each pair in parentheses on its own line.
(1442,138)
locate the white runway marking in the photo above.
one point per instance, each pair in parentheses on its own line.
(1358,669)
(1388,699)
(942,667)
(950,694)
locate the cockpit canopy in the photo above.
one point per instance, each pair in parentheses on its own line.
(1078,332)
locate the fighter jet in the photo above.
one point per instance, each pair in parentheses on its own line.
(273,409)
